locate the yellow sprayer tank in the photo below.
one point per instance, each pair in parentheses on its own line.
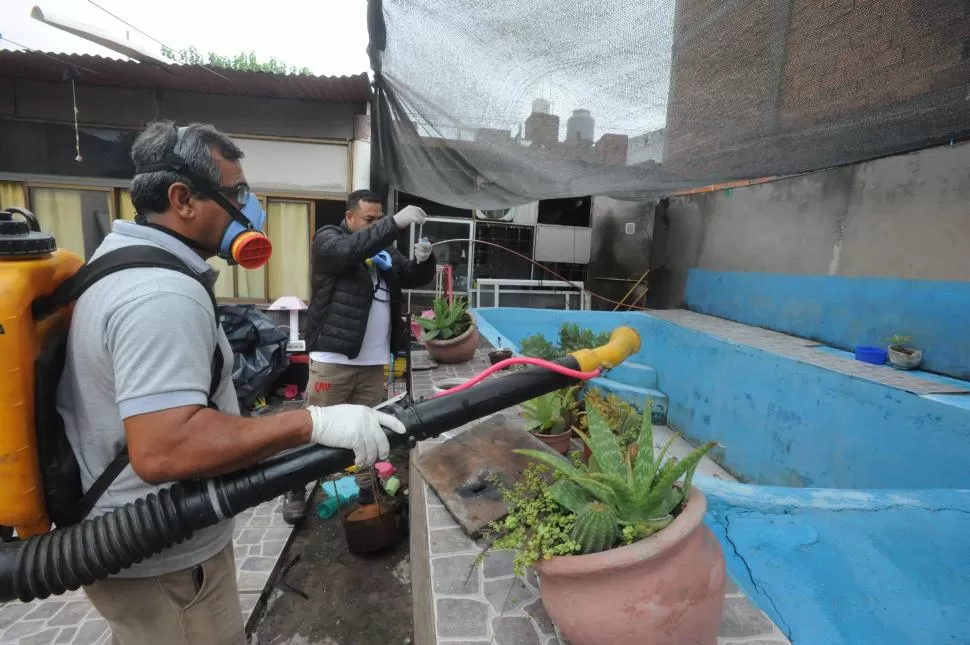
(30,266)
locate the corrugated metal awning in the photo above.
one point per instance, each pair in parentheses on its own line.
(98,70)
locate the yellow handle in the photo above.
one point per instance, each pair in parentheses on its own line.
(624,343)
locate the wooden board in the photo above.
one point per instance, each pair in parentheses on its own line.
(461,470)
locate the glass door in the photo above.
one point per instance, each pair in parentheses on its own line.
(453,249)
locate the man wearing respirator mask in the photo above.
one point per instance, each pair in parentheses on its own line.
(355,318)
(141,372)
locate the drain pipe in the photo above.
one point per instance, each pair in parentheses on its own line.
(66,559)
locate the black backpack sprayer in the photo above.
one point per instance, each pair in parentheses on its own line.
(53,562)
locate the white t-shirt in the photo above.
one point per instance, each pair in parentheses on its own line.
(376,348)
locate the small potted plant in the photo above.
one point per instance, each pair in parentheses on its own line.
(450,334)
(552,417)
(901,356)
(499,354)
(619,544)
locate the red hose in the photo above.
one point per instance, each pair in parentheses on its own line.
(521,360)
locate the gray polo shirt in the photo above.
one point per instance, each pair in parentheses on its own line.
(142,340)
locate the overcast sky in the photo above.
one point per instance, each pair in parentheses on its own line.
(328,36)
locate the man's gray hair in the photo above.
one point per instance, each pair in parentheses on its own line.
(149,191)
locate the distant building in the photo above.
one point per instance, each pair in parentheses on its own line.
(542,129)
(646,147)
(612,149)
(493,135)
(580,127)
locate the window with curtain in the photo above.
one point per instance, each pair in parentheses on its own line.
(288,228)
(78,219)
(12,194)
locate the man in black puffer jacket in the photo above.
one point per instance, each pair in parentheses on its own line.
(355,319)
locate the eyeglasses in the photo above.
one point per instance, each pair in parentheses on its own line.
(239,194)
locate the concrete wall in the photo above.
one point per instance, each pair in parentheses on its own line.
(235,114)
(618,258)
(780,421)
(903,218)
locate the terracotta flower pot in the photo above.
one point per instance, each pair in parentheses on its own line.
(499,355)
(558,442)
(904,361)
(459,349)
(665,590)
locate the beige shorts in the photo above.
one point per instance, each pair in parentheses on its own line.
(331,384)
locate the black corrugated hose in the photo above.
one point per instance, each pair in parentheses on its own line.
(66,559)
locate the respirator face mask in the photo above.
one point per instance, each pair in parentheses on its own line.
(244,242)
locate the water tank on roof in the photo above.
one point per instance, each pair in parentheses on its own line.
(580,127)
(541,106)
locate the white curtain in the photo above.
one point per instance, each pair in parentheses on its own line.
(288,228)
(12,194)
(59,212)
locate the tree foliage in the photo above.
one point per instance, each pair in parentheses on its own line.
(244,61)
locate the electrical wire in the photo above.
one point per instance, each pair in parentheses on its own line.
(545,268)
(42,53)
(520,360)
(150,37)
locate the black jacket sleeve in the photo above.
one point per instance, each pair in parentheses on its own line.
(335,251)
(411,274)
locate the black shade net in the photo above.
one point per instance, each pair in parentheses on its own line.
(492,104)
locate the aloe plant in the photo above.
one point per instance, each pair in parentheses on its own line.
(640,490)
(552,413)
(450,320)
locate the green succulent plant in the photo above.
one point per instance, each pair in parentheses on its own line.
(552,413)
(450,320)
(641,492)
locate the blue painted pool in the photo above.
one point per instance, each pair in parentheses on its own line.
(852,530)
(780,421)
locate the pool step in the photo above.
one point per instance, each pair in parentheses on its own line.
(632,373)
(636,396)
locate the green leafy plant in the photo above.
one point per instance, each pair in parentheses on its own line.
(564,506)
(450,320)
(620,416)
(536,526)
(900,343)
(643,493)
(553,413)
(537,346)
(572,338)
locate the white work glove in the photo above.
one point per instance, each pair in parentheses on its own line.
(422,251)
(409,215)
(355,427)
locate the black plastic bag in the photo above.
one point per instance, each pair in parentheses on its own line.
(259,352)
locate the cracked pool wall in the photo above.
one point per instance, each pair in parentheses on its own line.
(847,567)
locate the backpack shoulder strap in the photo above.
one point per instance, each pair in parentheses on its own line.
(129,257)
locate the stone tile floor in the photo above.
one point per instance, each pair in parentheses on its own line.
(260,538)
(490,606)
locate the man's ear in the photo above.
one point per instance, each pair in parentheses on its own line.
(180,199)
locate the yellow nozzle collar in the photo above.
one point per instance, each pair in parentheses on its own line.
(624,342)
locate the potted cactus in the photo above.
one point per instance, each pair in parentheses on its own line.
(449,333)
(619,544)
(551,417)
(901,356)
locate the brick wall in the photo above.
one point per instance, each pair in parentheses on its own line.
(774,86)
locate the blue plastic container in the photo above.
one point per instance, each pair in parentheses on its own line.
(874,355)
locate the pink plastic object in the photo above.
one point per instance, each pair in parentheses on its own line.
(291,391)
(520,360)
(384,469)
